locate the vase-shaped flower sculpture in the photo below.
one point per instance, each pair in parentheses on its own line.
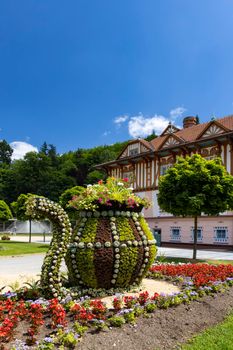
(111,245)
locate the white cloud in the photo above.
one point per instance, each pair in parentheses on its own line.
(177,112)
(121,119)
(140,126)
(20,148)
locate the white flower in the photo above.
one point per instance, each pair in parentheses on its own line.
(120,184)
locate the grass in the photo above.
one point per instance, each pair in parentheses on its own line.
(17,248)
(25,234)
(214,338)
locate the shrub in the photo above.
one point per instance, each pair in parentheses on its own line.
(116,321)
(5,238)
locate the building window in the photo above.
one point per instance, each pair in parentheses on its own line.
(175,232)
(164,167)
(199,233)
(221,234)
(133,151)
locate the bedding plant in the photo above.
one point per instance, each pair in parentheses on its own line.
(48,324)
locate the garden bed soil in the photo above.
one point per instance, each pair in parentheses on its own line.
(165,329)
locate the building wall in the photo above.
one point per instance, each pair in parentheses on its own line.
(157,219)
(145,175)
(207,224)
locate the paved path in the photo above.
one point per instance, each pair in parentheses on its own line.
(170,252)
(28,266)
(201,254)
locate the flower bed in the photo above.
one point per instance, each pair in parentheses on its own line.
(49,323)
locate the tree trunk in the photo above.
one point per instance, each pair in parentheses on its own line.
(195,239)
(30,230)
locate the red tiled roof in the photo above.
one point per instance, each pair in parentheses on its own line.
(191,134)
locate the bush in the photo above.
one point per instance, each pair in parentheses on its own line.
(5,238)
(116,321)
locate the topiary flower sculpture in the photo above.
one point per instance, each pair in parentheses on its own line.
(111,245)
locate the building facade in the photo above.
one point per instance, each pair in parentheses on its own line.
(144,162)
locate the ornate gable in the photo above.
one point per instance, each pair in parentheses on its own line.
(212,129)
(134,148)
(171,141)
(170,129)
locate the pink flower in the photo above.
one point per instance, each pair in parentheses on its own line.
(126,179)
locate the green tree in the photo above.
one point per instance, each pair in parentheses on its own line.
(5,212)
(151,136)
(94,176)
(19,210)
(5,152)
(196,186)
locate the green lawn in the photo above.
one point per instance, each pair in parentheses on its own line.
(215,338)
(16,248)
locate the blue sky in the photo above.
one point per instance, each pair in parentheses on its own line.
(82,73)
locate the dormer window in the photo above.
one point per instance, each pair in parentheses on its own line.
(133,151)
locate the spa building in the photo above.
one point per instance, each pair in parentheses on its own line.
(144,162)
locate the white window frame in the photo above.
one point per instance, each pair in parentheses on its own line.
(176,237)
(221,239)
(199,236)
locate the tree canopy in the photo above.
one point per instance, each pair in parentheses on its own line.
(49,174)
(6,152)
(5,212)
(194,186)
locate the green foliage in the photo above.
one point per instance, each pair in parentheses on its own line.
(124,228)
(5,152)
(95,176)
(89,231)
(86,267)
(78,328)
(49,174)
(128,261)
(151,136)
(145,228)
(67,339)
(150,307)
(20,206)
(66,197)
(152,252)
(5,212)
(116,321)
(113,193)
(194,186)
(85,257)
(68,194)
(129,317)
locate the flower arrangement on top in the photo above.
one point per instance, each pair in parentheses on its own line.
(115,194)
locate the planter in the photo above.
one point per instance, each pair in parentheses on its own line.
(110,249)
(106,249)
